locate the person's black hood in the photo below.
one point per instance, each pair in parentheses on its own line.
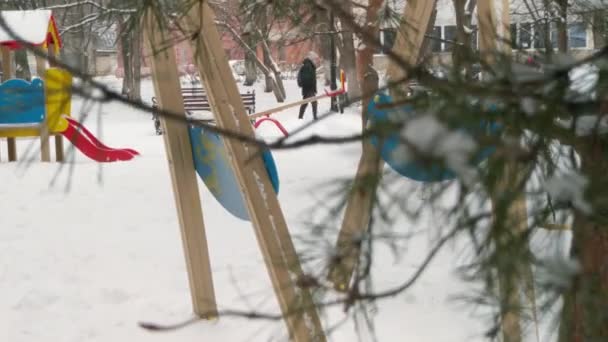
(308,61)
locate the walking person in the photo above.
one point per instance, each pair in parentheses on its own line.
(307,80)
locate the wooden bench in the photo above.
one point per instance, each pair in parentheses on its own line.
(195,99)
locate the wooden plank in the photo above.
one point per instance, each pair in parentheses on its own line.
(59,155)
(486,18)
(408,45)
(273,237)
(356,218)
(7,73)
(45,149)
(286,106)
(179,153)
(7,63)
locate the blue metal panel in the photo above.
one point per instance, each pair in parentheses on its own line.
(213,167)
(21,102)
(413,169)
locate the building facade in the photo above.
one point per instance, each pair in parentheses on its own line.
(527,32)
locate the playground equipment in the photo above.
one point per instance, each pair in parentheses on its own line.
(252,174)
(42,108)
(213,167)
(36,29)
(412,169)
(27,107)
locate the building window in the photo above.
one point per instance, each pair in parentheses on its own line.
(449,35)
(389,36)
(377,49)
(436,39)
(577,35)
(282,54)
(525,36)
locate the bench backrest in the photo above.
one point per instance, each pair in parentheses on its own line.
(196,99)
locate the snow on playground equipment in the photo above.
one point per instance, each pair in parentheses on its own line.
(36,29)
(27,107)
(254,177)
(42,107)
(412,169)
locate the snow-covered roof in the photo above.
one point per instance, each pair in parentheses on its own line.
(35,27)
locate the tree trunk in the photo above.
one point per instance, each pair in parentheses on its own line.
(262,34)
(349,57)
(268,87)
(127,81)
(270,64)
(136,63)
(251,72)
(323,40)
(599,28)
(462,51)
(562,26)
(131,40)
(585,312)
(22,69)
(584,316)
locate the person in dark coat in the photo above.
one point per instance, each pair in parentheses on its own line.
(307,80)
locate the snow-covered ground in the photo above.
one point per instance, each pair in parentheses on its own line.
(89,250)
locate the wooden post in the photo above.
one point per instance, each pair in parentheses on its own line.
(408,45)
(181,164)
(410,37)
(59,155)
(7,73)
(45,150)
(281,260)
(488,37)
(494,35)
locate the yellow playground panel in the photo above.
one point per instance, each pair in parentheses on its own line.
(57,103)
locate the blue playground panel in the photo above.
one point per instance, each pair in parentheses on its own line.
(412,169)
(21,102)
(212,165)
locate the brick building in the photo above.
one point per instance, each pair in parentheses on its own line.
(286,49)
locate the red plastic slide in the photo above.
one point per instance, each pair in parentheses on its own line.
(93,138)
(88,144)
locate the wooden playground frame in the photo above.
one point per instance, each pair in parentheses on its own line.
(281,260)
(263,207)
(52,49)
